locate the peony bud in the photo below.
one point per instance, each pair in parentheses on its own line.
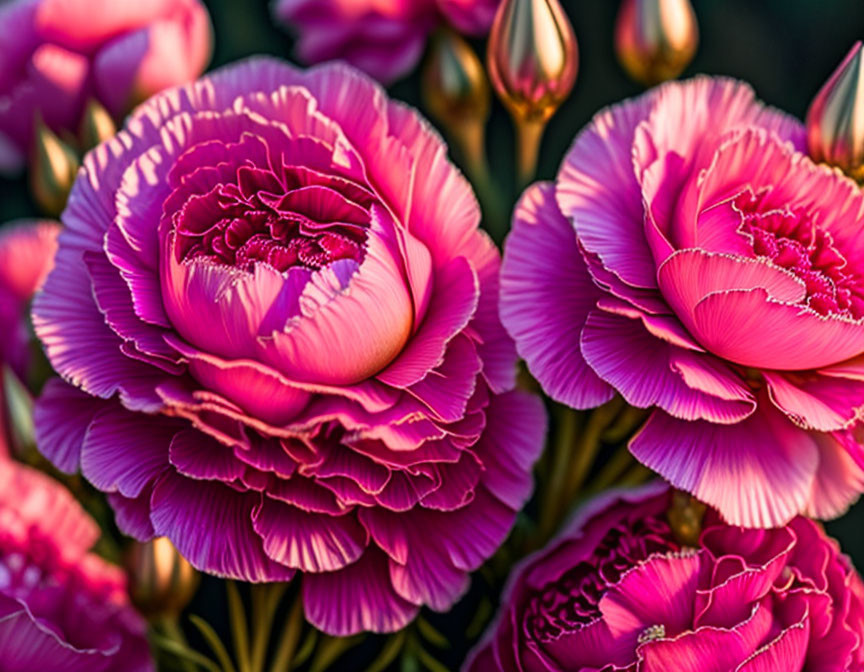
(455,87)
(835,120)
(52,170)
(161,581)
(533,57)
(96,126)
(685,516)
(655,39)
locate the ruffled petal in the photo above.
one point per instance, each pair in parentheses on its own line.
(546,295)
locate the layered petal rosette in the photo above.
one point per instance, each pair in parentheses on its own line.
(57,54)
(61,607)
(279,321)
(385,38)
(617,591)
(691,258)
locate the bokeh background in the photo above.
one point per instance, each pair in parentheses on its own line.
(784,48)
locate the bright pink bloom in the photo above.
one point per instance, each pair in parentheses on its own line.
(691,258)
(59,53)
(616,591)
(61,607)
(26,256)
(273,286)
(385,38)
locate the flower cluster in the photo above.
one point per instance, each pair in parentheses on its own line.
(617,590)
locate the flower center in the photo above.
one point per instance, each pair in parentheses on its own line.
(229,228)
(791,240)
(572,601)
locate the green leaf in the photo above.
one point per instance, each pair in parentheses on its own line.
(184,652)
(431,635)
(392,648)
(214,642)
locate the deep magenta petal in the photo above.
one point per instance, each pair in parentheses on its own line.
(546,295)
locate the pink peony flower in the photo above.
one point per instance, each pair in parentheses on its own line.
(26,256)
(616,591)
(385,38)
(691,258)
(61,607)
(59,53)
(273,295)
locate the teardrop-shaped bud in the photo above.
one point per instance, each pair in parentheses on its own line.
(161,581)
(533,57)
(655,39)
(53,167)
(835,120)
(454,84)
(685,516)
(96,125)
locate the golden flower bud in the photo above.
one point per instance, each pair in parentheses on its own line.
(835,120)
(454,84)
(161,581)
(53,167)
(533,57)
(96,125)
(685,516)
(655,39)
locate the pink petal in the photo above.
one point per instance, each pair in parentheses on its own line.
(61,417)
(816,402)
(124,451)
(454,301)
(199,456)
(26,255)
(839,480)
(688,276)
(356,598)
(211,526)
(598,191)
(757,473)
(791,337)
(546,295)
(310,542)
(640,367)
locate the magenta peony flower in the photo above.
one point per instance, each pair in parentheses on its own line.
(59,53)
(26,256)
(61,608)
(616,591)
(691,258)
(382,37)
(281,315)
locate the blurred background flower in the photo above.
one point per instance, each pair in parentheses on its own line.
(61,606)
(59,54)
(384,38)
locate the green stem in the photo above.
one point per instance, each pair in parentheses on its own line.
(290,638)
(562,450)
(169,629)
(265,602)
(529,135)
(470,139)
(239,627)
(215,643)
(617,465)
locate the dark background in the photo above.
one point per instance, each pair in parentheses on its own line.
(784,48)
